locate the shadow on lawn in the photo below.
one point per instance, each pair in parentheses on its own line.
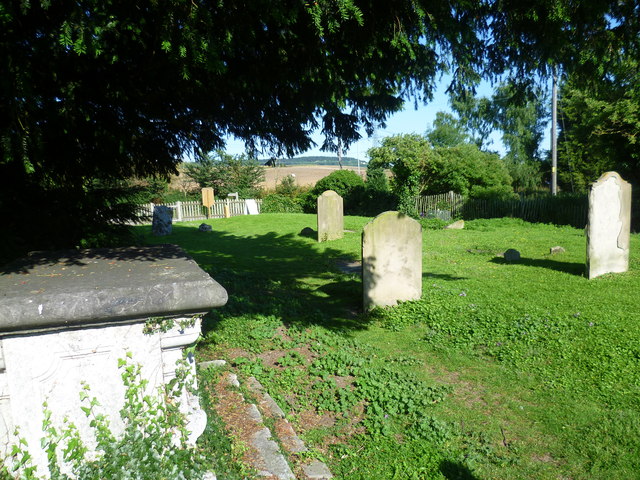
(281,275)
(565,267)
(455,471)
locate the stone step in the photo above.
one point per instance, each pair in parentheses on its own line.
(247,423)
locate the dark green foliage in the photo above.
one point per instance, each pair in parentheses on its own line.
(227,174)
(92,214)
(276,203)
(420,169)
(343,182)
(346,183)
(447,131)
(599,128)
(110,90)
(287,186)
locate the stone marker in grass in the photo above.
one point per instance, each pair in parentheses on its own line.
(330,216)
(391,260)
(609,226)
(162,218)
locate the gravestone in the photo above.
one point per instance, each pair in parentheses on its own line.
(251,207)
(330,216)
(68,317)
(609,227)
(458,225)
(162,218)
(391,260)
(205,228)
(511,255)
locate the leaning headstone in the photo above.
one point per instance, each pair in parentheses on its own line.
(512,255)
(251,207)
(391,260)
(205,228)
(458,225)
(609,227)
(330,216)
(162,218)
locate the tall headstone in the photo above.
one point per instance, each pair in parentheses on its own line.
(391,260)
(330,216)
(609,227)
(162,218)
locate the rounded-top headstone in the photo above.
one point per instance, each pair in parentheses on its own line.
(391,260)
(330,216)
(609,228)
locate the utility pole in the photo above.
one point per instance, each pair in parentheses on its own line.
(340,153)
(554,139)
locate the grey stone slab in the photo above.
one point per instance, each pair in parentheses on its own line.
(330,216)
(609,227)
(69,288)
(266,401)
(254,413)
(213,363)
(391,260)
(458,225)
(275,464)
(317,470)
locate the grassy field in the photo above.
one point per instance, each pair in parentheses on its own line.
(500,371)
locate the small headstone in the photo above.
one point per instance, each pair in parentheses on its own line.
(307,232)
(162,218)
(555,250)
(609,227)
(391,260)
(205,228)
(330,216)
(512,255)
(458,225)
(251,207)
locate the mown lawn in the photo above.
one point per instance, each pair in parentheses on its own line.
(505,371)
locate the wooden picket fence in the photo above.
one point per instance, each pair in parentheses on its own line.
(186,211)
(565,209)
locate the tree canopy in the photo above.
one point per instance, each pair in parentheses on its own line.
(100,90)
(419,168)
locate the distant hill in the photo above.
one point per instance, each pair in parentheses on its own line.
(318,160)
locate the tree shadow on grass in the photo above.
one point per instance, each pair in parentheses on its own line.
(571,268)
(275,274)
(455,471)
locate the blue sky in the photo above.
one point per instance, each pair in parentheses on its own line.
(409,120)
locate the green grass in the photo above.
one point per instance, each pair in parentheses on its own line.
(508,371)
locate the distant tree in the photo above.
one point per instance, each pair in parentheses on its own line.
(600,126)
(287,186)
(227,173)
(419,168)
(447,131)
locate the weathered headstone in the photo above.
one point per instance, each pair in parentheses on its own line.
(457,225)
(251,207)
(391,260)
(330,216)
(609,228)
(512,255)
(205,228)
(162,218)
